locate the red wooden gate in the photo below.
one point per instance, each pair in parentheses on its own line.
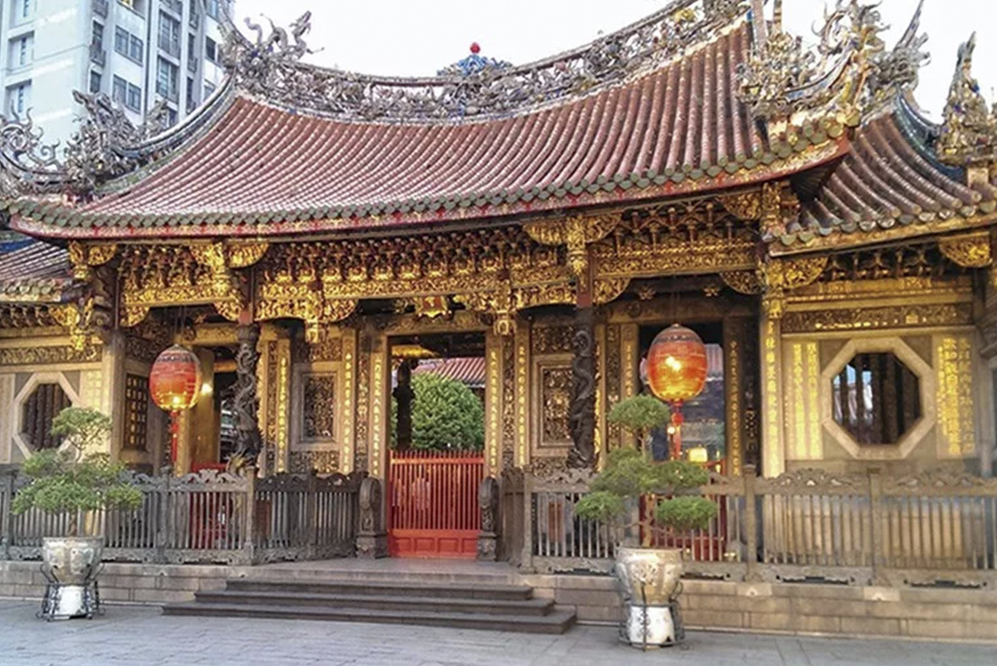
(434,503)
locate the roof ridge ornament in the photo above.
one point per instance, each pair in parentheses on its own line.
(100,149)
(474,64)
(847,76)
(969,129)
(270,68)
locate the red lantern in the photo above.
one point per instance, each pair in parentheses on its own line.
(676,373)
(175,385)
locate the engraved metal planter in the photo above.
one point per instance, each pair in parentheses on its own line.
(650,580)
(72,562)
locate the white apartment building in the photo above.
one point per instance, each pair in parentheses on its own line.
(135,51)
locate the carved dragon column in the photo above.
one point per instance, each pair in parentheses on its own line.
(250,442)
(577,233)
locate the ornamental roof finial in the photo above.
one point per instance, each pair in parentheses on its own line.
(969,130)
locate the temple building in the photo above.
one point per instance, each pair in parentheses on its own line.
(307,228)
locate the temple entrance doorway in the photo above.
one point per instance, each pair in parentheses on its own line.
(436,454)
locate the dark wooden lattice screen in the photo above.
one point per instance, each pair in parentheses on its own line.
(136,412)
(40,408)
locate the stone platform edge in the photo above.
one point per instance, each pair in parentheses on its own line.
(790,608)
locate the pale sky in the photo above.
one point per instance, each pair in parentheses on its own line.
(418,37)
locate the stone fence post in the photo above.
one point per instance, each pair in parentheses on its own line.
(750,524)
(372,541)
(488,502)
(249,524)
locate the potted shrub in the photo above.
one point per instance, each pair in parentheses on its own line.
(649,576)
(75,480)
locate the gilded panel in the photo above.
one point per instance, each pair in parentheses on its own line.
(884,317)
(954,376)
(552,402)
(320,462)
(802,401)
(348,417)
(522,394)
(318,407)
(493,403)
(614,381)
(773,454)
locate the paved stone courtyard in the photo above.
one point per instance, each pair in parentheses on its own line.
(140,635)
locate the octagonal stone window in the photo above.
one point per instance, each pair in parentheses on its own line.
(38,410)
(877,398)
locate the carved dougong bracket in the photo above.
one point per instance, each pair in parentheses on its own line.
(577,233)
(84,258)
(967,250)
(78,319)
(778,276)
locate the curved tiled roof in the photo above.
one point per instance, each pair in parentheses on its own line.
(890,179)
(469,370)
(32,270)
(266,170)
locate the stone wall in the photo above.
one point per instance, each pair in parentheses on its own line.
(923,613)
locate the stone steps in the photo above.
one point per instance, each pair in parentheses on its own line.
(454,605)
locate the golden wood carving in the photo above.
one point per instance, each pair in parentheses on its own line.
(84,257)
(244,255)
(743,282)
(780,276)
(49,355)
(744,205)
(868,318)
(968,251)
(77,319)
(26,315)
(577,233)
(691,238)
(160,276)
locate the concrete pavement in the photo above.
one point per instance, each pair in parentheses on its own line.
(140,635)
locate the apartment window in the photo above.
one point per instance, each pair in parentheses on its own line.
(121,41)
(119,90)
(191,48)
(22,51)
(210,49)
(190,90)
(19,99)
(134,99)
(167,77)
(213,7)
(171,117)
(97,36)
(209,89)
(95,81)
(27,6)
(136,49)
(169,34)
(128,45)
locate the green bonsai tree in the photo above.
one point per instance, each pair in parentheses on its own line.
(75,478)
(630,474)
(445,415)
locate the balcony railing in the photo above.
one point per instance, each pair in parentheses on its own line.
(100,8)
(98,56)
